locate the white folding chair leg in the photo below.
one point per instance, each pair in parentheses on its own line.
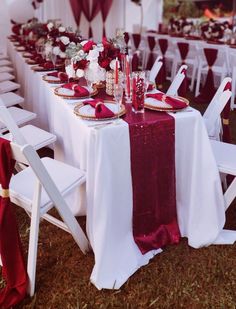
(232,104)
(0,261)
(193,77)
(197,90)
(229,195)
(33,240)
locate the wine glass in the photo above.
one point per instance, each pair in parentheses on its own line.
(53,59)
(118,95)
(67,66)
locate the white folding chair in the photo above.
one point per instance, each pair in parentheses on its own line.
(11,98)
(6,69)
(191,61)
(177,81)
(5,62)
(3,56)
(232,61)
(212,114)
(8,86)
(155,69)
(34,136)
(225,158)
(6,76)
(39,188)
(219,68)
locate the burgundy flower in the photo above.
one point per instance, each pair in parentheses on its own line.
(104,63)
(88,46)
(82,64)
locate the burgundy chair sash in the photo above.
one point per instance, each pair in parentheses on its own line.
(183,50)
(161,77)
(184,86)
(151,43)
(225,118)
(208,90)
(135,59)
(13,268)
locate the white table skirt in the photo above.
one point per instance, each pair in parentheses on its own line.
(105,155)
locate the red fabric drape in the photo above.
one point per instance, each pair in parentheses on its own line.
(135,59)
(151,44)
(13,269)
(105,8)
(90,16)
(184,86)
(208,89)
(76,9)
(161,77)
(225,118)
(183,50)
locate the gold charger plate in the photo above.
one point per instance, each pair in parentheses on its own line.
(167,109)
(38,68)
(31,62)
(93,118)
(20,49)
(58,81)
(64,96)
(26,55)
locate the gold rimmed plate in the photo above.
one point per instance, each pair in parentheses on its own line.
(161,106)
(27,55)
(87,112)
(69,94)
(52,79)
(38,68)
(20,49)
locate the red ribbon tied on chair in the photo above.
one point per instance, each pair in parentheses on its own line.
(183,50)
(225,117)
(151,43)
(135,59)
(161,77)
(208,89)
(172,101)
(13,269)
(184,85)
(101,111)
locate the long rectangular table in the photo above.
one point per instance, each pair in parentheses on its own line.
(104,153)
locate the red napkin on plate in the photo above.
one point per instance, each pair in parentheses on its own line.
(62,75)
(101,111)
(79,90)
(172,101)
(38,59)
(48,65)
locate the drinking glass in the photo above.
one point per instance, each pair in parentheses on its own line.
(53,59)
(118,95)
(138,91)
(67,64)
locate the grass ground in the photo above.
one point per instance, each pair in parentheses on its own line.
(180,277)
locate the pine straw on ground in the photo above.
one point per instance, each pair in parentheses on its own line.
(180,277)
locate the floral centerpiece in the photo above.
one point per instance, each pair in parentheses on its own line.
(215,30)
(180,26)
(92,60)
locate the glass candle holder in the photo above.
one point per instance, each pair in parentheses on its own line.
(138,91)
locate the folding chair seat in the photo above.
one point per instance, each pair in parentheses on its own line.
(6,69)
(8,86)
(33,135)
(50,181)
(11,98)
(5,62)
(177,81)
(212,115)
(6,76)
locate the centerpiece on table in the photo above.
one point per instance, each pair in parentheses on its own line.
(213,30)
(180,26)
(95,61)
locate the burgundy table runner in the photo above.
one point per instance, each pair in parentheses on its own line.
(152,146)
(13,269)
(208,90)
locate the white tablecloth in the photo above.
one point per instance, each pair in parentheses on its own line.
(105,155)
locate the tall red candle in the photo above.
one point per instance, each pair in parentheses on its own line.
(127,72)
(116,72)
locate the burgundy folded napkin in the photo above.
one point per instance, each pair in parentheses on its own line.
(173,102)
(48,65)
(101,111)
(151,87)
(37,58)
(61,75)
(79,90)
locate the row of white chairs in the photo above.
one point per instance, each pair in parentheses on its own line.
(43,183)
(225,64)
